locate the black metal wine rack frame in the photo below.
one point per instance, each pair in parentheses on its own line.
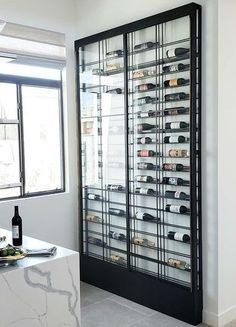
(169,297)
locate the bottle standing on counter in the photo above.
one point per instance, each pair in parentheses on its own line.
(178,264)
(176,125)
(145,140)
(16,228)
(176,52)
(176,209)
(144,216)
(178,237)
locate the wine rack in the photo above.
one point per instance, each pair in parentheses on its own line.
(139,94)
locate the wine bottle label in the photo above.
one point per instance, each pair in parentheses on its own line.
(143,153)
(175,209)
(113,67)
(144,114)
(170,53)
(138,240)
(175,125)
(15,232)
(174,263)
(173,181)
(173,139)
(173,82)
(139,215)
(178,236)
(143,190)
(142,178)
(92,196)
(177,195)
(143,87)
(173,68)
(176,153)
(142,165)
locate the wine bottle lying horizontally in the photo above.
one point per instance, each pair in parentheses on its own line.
(175,139)
(144,46)
(143,190)
(145,87)
(176,96)
(117,259)
(144,100)
(142,241)
(115,187)
(117,236)
(176,125)
(178,237)
(176,82)
(176,195)
(144,179)
(176,111)
(178,153)
(144,127)
(116,212)
(180,264)
(174,181)
(176,52)
(115,91)
(147,114)
(96,241)
(143,73)
(175,68)
(93,218)
(176,209)
(92,196)
(144,216)
(146,153)
(114,54)
(145,140)
(174,167)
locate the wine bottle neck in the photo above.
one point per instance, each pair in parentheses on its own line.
(16,211)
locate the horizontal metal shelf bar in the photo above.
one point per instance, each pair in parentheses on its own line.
(11,185)
(9,121)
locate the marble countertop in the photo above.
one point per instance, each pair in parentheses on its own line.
(32,243)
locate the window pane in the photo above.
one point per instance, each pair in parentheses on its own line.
(42,139)
(8,101)
(9,155)
(9,192)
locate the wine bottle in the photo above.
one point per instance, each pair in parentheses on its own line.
(114,187)
(145,165)
(176,52)
(172,181)
(97,71)
(175,68)
(92,196)
(176,195)
(116,212)
(178,264)
(117,259)
(143,73)
(146,153)
(144,216)
(172,167)
(178,236)
(143,46)
(116,236)
(143,190)
(94,218)
(143,100)
(143,179)
(146,114)
(176,125)
(112,67)
(96,241)
(142,241)
(176,111)
(115,53)
(144,140)
(176,209)
(176,96)
(144,127)
(16,228)
(115,91)
(145,87)
(174,139)
(175,82)
(178,153)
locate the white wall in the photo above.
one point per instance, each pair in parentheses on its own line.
(106,14)
(226,151)
(51,218)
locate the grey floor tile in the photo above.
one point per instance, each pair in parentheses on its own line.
(160,320)
(90,294)
(109,314)
(132,305)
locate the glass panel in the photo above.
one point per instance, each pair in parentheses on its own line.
(8,101)
(9,193)
(42,139)
(9,155)
(103,149)
(159,150)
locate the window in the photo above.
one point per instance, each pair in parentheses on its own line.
(31,133)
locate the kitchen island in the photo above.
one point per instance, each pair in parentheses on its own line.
(40,291)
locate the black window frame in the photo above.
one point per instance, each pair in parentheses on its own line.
(21,81)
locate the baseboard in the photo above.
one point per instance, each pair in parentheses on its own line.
(214,320)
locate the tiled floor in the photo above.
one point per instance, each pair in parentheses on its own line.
(103,309)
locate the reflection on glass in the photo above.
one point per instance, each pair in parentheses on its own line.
(8,101)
